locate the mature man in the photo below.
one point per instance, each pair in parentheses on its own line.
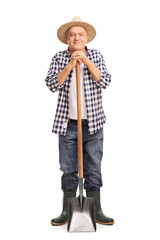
(62,77)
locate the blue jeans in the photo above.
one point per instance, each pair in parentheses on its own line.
(92,157)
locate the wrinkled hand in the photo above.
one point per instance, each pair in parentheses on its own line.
(79,56)
(72,63)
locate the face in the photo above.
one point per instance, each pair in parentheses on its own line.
(76,38)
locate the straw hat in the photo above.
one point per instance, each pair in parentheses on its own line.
(76,21)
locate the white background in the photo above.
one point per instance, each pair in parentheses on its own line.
(128,37)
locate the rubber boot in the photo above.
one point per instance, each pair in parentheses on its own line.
(100,217)
(63,218)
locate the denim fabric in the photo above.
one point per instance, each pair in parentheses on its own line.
(92,156)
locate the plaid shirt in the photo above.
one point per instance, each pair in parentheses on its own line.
(93,95)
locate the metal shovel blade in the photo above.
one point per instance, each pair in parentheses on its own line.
(81,217)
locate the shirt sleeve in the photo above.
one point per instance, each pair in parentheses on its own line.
(105,76)
(51,79)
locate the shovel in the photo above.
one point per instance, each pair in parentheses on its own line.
(81,210)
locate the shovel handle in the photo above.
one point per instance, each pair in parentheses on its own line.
(79,123)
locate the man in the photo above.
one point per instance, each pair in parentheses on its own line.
(62,77)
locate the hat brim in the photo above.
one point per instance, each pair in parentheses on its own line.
(89,28)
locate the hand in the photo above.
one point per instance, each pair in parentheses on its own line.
(79,56)
(72,63)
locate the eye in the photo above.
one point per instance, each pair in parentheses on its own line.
(72,34)
(81,34)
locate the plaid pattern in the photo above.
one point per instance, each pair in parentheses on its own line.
(93,95)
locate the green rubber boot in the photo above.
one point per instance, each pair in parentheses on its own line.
(100,217)
(63,218)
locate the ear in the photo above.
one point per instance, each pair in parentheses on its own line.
(86,38)
(66,36)
(67,40)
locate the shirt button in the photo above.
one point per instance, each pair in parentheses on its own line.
(64,125)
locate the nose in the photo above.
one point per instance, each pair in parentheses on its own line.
(76,36)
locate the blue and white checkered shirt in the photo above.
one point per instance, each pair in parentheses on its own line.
(93,95)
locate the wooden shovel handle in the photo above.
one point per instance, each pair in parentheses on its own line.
(79,124)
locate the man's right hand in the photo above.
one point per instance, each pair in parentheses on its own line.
(72,63)
(64,73)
